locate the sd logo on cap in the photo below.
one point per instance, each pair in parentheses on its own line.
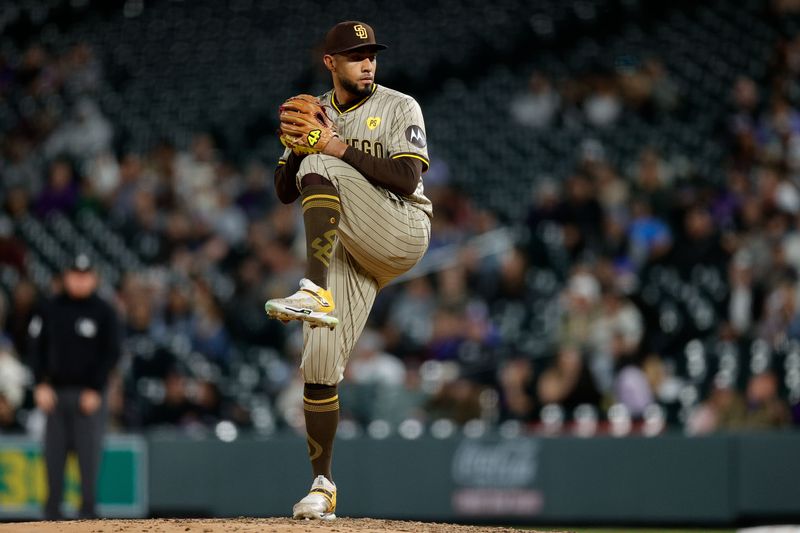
(351,35)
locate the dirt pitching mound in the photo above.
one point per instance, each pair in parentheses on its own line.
(244,525)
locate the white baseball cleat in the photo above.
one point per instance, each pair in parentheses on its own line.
(319,503)
(311,304)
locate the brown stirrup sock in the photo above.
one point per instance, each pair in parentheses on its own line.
(321,211)
(321,409)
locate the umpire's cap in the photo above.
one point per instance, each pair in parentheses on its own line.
(351,35)
(81,263)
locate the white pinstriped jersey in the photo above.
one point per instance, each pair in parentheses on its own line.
(379,237)
(387,123)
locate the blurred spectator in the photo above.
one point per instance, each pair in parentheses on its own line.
(547,208)
(636,86)
(478,353)
(661,378)
(207,402)
(613,192)
(603,104)
(23,301)
(20,165)
(255,197)
(144,341)
(517,380)
(123,412)
(516,306)
(17,202)
(175,409)
(652,180)
(447,334)
(12,250)
(178,309)
(228,220)
(780,310)
(60,194)
(776,191)
(665,93)
(195,174)
(102,178)
(582,215)
(243,313)
(178,234)
(649,237)
(208,333)
(452,288)
(408,327)
(13,376)
(369,364)
(745,105)
(700,244)
(791,246)
(538,107)
(726,409)
(13,380)
(615,244)
(615,337)
(128,184)
(86,135)
(160,169)
(457,212)
(145,230)
(727,203)
(777,130)
(746,299)
(765,409)
(580,310)
(456,400)
(82,70)
(631,387)
(647,88)
(568,382)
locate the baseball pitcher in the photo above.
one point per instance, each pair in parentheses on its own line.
(354,157)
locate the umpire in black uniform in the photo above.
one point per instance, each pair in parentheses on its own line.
(75,344)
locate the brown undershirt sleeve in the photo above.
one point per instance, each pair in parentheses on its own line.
(401,175)
(285,179)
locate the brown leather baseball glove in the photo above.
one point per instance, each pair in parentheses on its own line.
(305,126)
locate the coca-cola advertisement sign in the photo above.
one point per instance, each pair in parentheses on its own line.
(496,478)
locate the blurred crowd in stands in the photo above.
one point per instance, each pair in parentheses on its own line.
(598,98)
(624,294)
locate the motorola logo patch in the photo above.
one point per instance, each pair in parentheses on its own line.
(416,136)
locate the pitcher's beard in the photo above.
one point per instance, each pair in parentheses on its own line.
(353,88)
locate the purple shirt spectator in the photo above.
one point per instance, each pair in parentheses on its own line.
(61,192)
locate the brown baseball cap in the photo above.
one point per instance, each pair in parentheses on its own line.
(351,35)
